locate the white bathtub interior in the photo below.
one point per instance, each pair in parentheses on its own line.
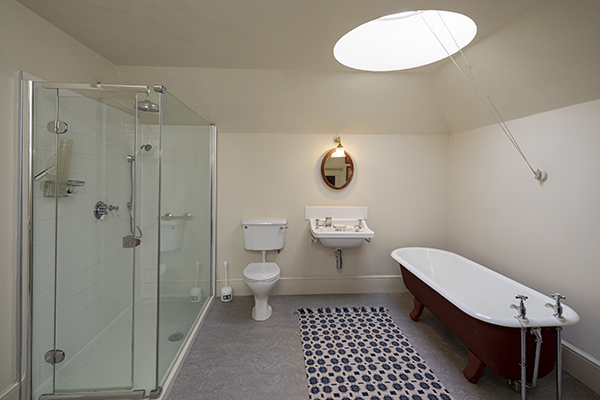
(477,290)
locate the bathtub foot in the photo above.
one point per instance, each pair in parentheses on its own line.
(474,368)
(417,310)
(515,386)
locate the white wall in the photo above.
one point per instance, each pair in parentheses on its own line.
(543,235)
(402,179)
(30,44)
(274,127)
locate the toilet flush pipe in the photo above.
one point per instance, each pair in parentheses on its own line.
(264,256)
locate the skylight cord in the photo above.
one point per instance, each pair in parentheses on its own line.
(491,107)
(501,121)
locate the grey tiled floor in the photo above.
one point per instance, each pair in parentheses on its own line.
(237,358)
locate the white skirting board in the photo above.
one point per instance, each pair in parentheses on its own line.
(325,285)
(582,366)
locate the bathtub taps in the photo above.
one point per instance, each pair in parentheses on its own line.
(558,309)
(521,307)
(327,222)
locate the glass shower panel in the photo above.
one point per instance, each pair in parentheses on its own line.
(185,227)
(147,201)
(83,275)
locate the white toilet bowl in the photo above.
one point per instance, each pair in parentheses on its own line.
(260,278)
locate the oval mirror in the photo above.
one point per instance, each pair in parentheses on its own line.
(337,172)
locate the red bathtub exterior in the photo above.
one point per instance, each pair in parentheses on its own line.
(494,346)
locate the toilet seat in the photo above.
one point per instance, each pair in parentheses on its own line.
(261,272)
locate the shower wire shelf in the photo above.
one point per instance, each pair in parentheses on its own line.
(63,189)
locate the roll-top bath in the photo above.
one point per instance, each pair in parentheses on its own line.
(475,302)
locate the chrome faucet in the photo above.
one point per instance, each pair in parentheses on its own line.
(328,222)
(359,225)
(317,223)
(558,309)
(521,307)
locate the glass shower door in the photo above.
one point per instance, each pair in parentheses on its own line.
(83,275)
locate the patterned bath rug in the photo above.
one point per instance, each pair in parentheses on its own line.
(358,353)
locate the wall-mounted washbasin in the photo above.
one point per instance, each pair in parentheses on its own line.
(339,227)
(340,233)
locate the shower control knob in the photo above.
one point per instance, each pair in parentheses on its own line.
(100,210)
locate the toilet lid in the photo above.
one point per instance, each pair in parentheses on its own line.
(261,271)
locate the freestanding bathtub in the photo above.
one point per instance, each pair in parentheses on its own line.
(474,303)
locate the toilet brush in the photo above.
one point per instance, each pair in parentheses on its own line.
(226,292)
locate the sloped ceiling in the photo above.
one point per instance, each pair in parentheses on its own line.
(531,55)
(262,34)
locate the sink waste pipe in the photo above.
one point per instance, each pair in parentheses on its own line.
(338,258)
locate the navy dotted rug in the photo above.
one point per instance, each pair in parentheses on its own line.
(358,353)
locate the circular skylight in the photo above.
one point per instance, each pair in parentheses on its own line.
(405,40)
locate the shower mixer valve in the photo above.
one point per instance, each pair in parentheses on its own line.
(101,210)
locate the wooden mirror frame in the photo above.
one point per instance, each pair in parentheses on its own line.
(349,170)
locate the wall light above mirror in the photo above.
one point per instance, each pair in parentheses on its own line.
(337,167)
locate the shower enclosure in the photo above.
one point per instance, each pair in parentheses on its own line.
(117,247)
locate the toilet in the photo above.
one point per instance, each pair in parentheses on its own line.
(262,234)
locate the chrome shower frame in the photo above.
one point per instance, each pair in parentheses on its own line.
(24,315)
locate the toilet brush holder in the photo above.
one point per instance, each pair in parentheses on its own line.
(195,295)
(226,292)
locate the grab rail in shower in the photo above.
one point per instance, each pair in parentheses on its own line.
(169,216)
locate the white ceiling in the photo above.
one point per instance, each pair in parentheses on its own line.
(256,34)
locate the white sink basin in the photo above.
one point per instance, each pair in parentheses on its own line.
(342,234)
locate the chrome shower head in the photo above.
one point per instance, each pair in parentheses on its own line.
(147,105)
